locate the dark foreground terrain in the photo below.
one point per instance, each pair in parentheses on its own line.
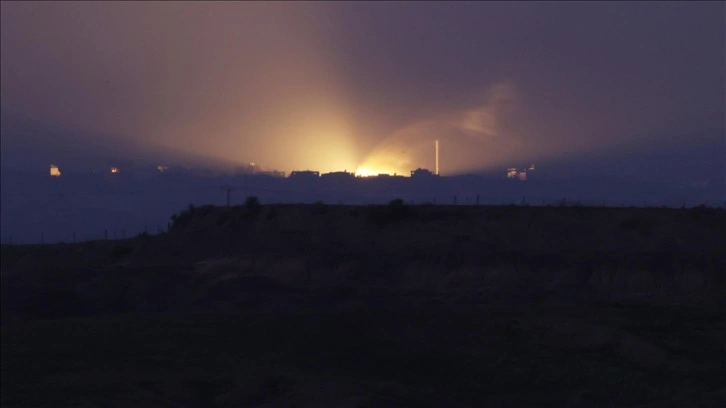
(425,306)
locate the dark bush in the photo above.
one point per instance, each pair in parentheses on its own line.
(644,227)
(253,206)
(319,208)
(395,211)
(271,214)
(121,251)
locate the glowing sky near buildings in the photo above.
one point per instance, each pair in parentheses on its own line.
(363,87)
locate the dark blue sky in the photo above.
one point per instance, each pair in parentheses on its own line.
(336,86)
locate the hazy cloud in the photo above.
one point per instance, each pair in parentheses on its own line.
(330,86)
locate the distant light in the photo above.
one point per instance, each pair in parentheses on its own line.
(364,172)
(161,168)
(114,170)
(522,176)
(511,173)
(54,171)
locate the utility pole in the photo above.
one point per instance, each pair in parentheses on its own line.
(228,189)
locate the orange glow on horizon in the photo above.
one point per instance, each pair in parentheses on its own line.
(364,171)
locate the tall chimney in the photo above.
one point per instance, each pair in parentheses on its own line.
(437,157)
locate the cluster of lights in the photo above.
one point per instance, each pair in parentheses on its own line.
(521,175)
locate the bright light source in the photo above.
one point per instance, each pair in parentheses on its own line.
(365,172)
(54,171)
(114,170)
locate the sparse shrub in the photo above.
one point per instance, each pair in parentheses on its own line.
(121,251)
(271,214)
(186,216)
(319,208)
(700,212)
(253,206)
(395,211)
(644,227)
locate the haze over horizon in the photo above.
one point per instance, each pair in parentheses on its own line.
(345,86)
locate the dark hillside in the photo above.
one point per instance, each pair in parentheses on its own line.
(397,305)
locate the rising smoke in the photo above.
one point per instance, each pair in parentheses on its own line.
(479,138)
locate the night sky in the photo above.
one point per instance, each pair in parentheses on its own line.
(368,86)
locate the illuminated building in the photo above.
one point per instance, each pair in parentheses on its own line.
(54,171)
(305,175)
(422,173)
(512,173)
(338,175)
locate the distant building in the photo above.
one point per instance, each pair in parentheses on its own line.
(512,173)
(271,173)
(522,176)
(54,171)
(422,173)
(338,176)
(305,175)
